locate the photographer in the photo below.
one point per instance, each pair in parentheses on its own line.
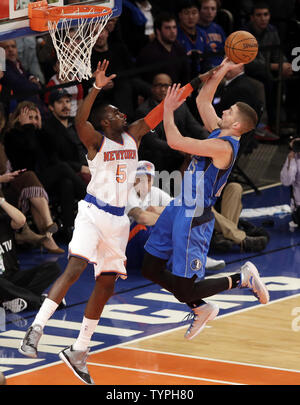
(290,176)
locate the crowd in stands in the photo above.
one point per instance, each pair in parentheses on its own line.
(43,167)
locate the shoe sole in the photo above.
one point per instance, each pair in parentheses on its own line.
(65,359)
(259,283)
(210,317)
(32,356)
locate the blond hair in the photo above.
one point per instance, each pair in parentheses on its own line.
(248,117)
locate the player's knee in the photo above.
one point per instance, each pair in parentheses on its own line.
(183,289)
(74,269)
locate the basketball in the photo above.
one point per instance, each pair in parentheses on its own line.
(241,47)
(2,379)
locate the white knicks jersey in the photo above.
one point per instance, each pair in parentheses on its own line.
(113,170)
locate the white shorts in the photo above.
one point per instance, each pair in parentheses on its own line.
(100,238)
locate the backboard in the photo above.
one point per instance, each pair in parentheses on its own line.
(14,20)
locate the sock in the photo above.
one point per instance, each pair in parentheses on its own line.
(236,278)
(88,327)
(46,311)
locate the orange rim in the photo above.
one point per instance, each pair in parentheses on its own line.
(78,11)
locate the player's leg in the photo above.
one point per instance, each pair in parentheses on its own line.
(75,356)
(58,291)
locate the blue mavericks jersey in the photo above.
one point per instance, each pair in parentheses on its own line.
(182,233)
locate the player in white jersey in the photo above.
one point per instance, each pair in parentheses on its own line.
(101,227)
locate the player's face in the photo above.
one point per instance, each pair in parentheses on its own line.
(229,117)
(261,18)
(168,32)
(143,184)
(117,119)
(189,17)
(208,11)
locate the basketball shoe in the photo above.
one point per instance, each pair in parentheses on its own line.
(250,278)
(15,305)
(201,315)
(30,342)
(76,361)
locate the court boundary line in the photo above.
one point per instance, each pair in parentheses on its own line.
(162,373)
(120,345)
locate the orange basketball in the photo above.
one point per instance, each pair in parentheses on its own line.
(241,47)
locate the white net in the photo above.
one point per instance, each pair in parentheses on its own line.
(74,42)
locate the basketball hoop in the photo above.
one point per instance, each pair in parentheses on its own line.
(74,30)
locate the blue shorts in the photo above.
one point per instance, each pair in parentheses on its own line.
(182,240)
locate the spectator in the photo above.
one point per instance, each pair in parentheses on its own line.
(23,189)
(226,231)
(137,24)
(265,67)
(238,86)
(123,91)
(61,136)
(20,289)
(215,35)
(154,146)
(28,56)
(164,54)
(17,80)
(25,147)
(76,91)
(145,204)
(290,176)
(191,36)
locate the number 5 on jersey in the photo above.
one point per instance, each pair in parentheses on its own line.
(121,174)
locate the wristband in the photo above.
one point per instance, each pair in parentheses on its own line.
(195,83)
(2,200)
(97,88)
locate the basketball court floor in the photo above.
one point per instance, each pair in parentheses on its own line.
(139,340)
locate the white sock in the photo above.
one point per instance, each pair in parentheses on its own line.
(88,327)
(46,311)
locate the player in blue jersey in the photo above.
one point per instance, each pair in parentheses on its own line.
(183,232)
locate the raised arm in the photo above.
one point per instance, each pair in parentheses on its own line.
(217,149)
(205,97)
(87,133)
(140,127)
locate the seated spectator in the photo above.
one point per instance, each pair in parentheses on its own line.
(27,55)
(164,54)
(25,147)
(76,90)
(137,24)
(265,66)
(191,36)
(226,231)
(61,136)
(22,84)
(215,35)
(154,146)
(24,190)
(145,204)
(290,177)
(20,288)
(123,91)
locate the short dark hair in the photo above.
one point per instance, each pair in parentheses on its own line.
(249,117)
(259,5)
(98,114)
(161,18)
(186,4)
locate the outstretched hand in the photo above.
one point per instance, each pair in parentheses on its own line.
(101,79)
(172,100)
